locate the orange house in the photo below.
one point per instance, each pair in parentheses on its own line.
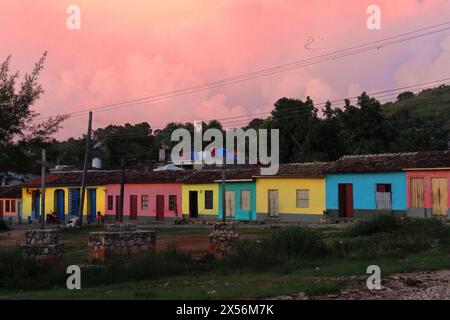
(9,201)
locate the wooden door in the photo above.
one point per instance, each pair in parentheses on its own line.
(1,208)
(133,207)
(117,208)
(230,204)
(160,207)
(345,191)
(92,204)
(439,196)
(273,203)
(416,193)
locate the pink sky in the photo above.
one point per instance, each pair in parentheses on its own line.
(130,49)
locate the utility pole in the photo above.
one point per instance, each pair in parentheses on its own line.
(43,168)
(224,207)
(122,187)
(85,166)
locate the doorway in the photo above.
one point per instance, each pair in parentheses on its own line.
(273,203)
(133,207)
(36,195)
(59,204)
(193,204)
(230,207)
(439,198)
(160,207)
(74,201)
(346,200)
(92,205)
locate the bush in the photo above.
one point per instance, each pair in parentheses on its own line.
(3,226)
(282,246)
(295,242)
(19,273)
(144,266)
(381,223)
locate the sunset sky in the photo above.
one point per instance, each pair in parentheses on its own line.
(130,49)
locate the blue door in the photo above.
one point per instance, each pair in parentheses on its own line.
(37,204)
(59,196)
(74,201)
(92,204)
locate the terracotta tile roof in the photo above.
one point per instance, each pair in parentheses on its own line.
(432,159)
(387,162)
(301,170)
(211,176)
(10,192)
(109,177)
(390,162)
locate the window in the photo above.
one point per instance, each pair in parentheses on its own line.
(303,198)
(7,208)
(416,193)
(383,196)
(144,202)
(13,205)
(110,202)
(208,199)
(245,200)
(172,202)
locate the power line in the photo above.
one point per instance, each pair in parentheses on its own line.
(293,114)
(374,45)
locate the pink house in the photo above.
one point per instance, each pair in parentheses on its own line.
(151,196)
(427,185)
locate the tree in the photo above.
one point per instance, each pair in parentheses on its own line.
(16,115)
(364,128)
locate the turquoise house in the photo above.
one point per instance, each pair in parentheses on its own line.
(240,200)
(240,191)
(366,185)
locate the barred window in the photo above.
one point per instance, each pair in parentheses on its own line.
(110,202)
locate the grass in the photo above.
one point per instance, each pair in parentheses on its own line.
(283,261)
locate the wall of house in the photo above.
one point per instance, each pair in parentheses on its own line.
(237,187)
(50,203)
(287,197)
(364,189)
(427,175)
(201,188)
(149,189)
(10,212)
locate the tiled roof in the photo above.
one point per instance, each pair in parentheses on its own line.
(10,192)
(210,176)
(432,159)
(301,170)
(109,177)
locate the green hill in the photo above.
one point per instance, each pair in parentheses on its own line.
(429,102)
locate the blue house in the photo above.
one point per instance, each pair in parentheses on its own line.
(365,185)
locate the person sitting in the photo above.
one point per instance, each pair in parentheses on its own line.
(100,218)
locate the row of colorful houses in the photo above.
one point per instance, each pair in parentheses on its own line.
(408,184)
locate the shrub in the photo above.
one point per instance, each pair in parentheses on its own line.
(16,272)
(295,242)
(381,223)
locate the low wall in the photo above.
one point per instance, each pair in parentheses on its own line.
(120,240)
(42,245)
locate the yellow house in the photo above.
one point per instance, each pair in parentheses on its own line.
(62,195)
(200,195)
(296,192)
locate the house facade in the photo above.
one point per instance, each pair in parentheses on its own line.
(202,194)
(427,185)
(296,192)
(151,196)
(10,202)
(62,195)
(364,185)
